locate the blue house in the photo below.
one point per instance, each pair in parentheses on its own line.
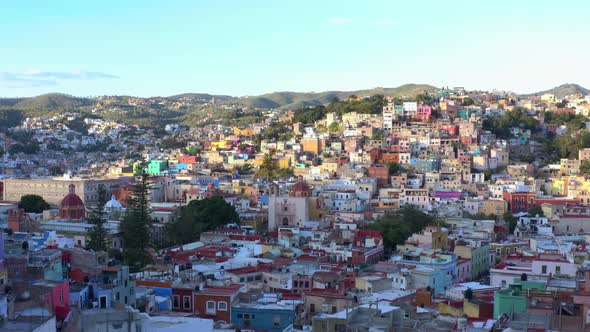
(273,317)
(166,293)
(443,266)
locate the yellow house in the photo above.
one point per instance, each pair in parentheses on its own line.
(493,206)
(503,249)
(471,309)
(243,131)
(329,167)
(284,163)
(216,145)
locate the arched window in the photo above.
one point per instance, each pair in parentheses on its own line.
(222,306)
(211,310)
(285,221)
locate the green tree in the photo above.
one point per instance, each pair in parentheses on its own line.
(55,170)
(199,216)
(269,169)
(136,224)
(511,220)
(536,210)
(396,227)
(424,98)
(395,168)
(98,235)
(334,127)
(33,203)
(467,101)
(585,167)
(28,148)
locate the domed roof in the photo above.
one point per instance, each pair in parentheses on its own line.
(71,199)
(113,204)
(300,189)
(72,207)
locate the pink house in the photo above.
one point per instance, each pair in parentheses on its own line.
(56,294)
(423,113)
(463,270)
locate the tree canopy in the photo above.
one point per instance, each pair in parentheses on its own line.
(269,169)
(199,216)
(536,211)
(98,235)
(396,227)
(395,168)
(136,224)
(33,203)
(501,125)
(370,105)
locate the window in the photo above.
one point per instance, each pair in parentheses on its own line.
(543,269)
(176,302)
(186,302)
(503,283)
(507,251)
(240,316)
(312,308)
(222,306)
(276,321)
(558,269)
(211,308)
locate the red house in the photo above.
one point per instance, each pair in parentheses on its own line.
(182,299)
(215,302)
(187,159)
(381,173)
(519,201)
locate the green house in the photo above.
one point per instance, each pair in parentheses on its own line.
(156,167)
(514,299)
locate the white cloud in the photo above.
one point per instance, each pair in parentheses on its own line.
(36,78)
(340,20)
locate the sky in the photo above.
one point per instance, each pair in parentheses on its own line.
(238,47)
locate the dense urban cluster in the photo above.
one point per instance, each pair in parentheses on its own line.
(450,210)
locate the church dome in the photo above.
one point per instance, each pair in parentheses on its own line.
(72,206)
(113,204)
(300,189)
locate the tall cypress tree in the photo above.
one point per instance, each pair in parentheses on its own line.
(98,235)
(136,225)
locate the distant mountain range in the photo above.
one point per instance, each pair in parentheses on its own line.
(562,91)
(293,100)
(275,100)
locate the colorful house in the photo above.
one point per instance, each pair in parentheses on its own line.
(156,167)
(272,317)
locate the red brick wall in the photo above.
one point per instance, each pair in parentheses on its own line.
(200,304)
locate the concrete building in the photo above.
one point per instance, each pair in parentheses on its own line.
(291,210)
(53,190)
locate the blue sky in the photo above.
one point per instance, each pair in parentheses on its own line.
(239,47)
